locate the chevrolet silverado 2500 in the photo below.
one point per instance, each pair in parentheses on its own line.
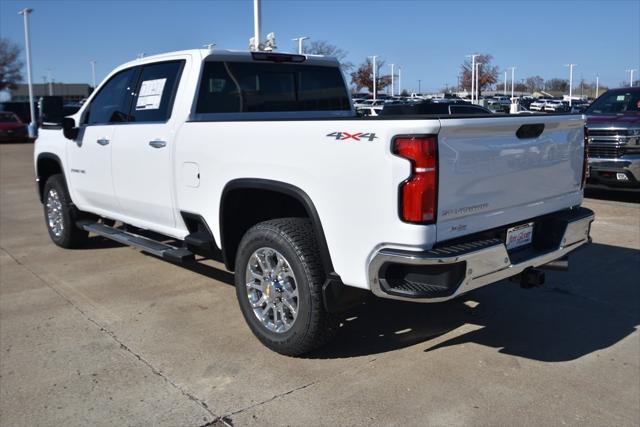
(613,123)
(260,158)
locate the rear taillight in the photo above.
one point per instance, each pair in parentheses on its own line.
(419,192)
(585,158)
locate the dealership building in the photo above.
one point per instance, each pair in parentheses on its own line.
(70,92)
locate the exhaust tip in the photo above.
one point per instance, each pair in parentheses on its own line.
(560,264)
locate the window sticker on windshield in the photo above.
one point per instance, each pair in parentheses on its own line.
(620,98)
(150,94)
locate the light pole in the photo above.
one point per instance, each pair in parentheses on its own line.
(27,41)
(473,73)
(513,80)
(93,73)
(373,66)
(630,71)
(50,81)
(257,16)
(399,80)
(514,107)
(392,65)
(419,87)
(505,83)
(597,84)
(300,41)
(478,64)
(570,81)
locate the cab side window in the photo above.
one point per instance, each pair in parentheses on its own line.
(155,91)
(112,103)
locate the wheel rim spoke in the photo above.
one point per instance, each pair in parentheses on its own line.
(255,274)
(265,312)
(255,286)
(292,309)
(261,262)
(260,302)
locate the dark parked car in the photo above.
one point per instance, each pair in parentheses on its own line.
(11,128)
(613,123)
(429,107)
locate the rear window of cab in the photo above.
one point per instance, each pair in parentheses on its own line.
(247,87)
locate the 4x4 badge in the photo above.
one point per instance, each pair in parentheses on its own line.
(358,136)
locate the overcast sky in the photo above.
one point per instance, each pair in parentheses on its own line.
(429,39)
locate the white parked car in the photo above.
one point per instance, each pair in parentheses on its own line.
(217,153)
(502,100)
(555,106)
(539,104)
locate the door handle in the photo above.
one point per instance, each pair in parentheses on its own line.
(103,141)
(156,143)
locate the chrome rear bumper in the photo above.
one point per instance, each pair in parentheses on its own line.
(476,263)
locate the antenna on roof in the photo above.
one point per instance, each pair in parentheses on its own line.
(140,55)
(270,44)
(210,46)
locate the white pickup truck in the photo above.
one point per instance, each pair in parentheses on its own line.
(259,158)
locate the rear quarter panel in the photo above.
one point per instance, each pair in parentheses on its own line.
(353,184)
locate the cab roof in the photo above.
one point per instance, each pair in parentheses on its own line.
(228,54)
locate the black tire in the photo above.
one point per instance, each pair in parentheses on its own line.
(295,240)
(70,236)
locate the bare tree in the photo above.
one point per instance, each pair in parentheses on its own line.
(363,76)
(534,83)
(10,64)
(488,73)
(559,85)
(590,89)
(625,83)
(323,47)
(520,87)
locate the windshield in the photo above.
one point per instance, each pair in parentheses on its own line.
(617,102)
(8,118)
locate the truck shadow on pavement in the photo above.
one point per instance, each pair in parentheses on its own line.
(592,307)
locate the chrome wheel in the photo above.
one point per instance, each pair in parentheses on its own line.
(55,218)
(272,289)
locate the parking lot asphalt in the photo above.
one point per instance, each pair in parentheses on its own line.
(109,336)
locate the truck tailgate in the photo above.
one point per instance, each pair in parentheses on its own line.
(491,175)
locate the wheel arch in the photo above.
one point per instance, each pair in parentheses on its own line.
(229,241)
(47,164)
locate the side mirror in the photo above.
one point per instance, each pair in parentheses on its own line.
(69,128)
